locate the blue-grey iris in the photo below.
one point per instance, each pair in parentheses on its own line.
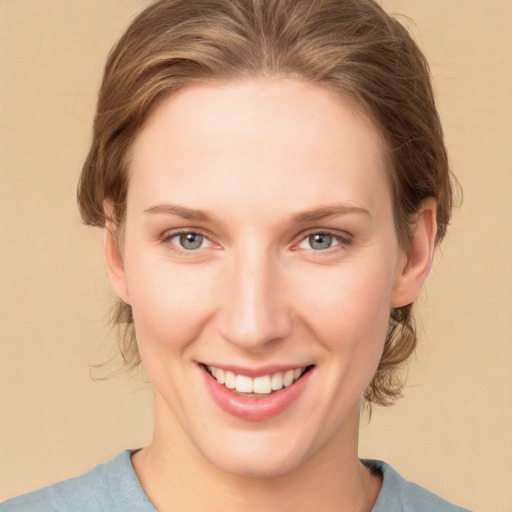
(320,241)
(191,241)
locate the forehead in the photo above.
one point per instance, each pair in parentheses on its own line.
(274,143)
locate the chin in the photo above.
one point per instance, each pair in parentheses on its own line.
(257,459)
(272,466)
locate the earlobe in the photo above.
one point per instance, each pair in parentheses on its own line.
(114,262)
(418,261)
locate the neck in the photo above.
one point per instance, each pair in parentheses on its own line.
(332,479)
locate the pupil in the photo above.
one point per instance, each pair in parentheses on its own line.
(320,241)
(191,241)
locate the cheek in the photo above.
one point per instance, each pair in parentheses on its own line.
(170,304)
(348,307)
(349,318)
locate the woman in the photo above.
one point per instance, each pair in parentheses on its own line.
(271,179)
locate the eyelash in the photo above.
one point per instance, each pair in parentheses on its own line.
(342,240)
(168,236)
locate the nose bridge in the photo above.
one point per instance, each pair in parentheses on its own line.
(255,310)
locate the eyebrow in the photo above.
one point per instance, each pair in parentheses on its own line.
(302,217)
(328,211)
(180,211)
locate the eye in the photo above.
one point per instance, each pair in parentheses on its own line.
(188,240)
(320,241)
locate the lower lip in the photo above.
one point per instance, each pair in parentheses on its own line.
(255,408)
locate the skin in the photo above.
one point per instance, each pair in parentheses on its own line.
(255,155)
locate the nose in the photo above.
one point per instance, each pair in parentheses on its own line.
(255,311)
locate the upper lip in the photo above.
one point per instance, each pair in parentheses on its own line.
(253,371)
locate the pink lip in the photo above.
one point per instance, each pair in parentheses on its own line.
(253,408)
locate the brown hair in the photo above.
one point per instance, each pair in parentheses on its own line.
(349,46)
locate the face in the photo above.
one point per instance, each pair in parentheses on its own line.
(259,254)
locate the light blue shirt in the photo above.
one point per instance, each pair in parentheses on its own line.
(114,487)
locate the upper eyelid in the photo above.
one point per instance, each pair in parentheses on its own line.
(171,233)
(342,235)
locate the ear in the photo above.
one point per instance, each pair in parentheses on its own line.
(114,261)
(417,262)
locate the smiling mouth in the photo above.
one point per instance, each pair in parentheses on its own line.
(263,385)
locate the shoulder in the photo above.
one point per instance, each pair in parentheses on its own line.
(400,495)
(110,486)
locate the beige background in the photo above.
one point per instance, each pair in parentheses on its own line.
(452,431)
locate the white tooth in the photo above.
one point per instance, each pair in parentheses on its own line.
(243,384)
(212,370)
(220,375)
(276,381)
(297,373)
(209,368)
(288,378)
(229,381)
(262,385)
